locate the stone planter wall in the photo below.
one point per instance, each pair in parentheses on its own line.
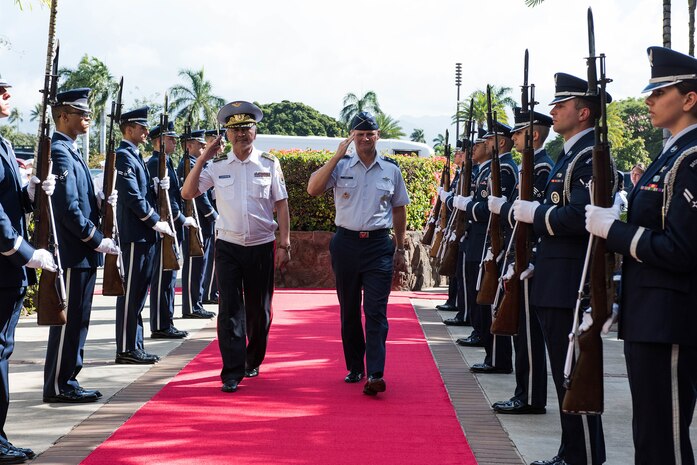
(311,265)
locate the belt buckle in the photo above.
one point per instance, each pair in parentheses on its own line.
(363,234)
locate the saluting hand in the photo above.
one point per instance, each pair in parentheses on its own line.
(213,148)
(344,145)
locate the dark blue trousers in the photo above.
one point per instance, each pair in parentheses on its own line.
(663,383)
(161,293)
(138,260)
(66,344)
(246,275)
(210,281)
(193,274)
(363,266)
(11,299)
(471,311)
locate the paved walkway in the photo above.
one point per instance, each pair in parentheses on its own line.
(64,433)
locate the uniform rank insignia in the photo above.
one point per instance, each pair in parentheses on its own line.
(63,175)
(559,175)
(555,197)
(690,199)
(346,195)
(221,157)
(262,174)
(673,148)
(656,178)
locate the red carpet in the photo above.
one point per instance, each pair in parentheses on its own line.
(299,410)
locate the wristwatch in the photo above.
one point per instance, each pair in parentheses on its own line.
(287,247)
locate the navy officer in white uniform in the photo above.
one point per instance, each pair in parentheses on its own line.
(250,187)
(370,198)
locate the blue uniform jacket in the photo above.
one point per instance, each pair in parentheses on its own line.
(206,212)
(15,250)
(74,207)
(175,195)
(135,210)
(560,225)
(659,272)
(542,166)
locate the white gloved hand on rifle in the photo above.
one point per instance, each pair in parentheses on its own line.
(599,220)
(189,221)
(524,210)
(510,271)
(49,185)
(163,228)
(586,321)
(42,258)
(528,273)
(113,198)
(443,194)
(108,246)
(489,255)
(495,203)
(461,202)
(160,183)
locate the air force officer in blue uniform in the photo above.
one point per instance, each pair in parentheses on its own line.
(81,244)
(370,197)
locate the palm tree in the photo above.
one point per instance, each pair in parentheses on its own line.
(354,105)
(21,7)
(195,99)
(389,128)
(417,135)
(15,117)
(500,99)
(35,112)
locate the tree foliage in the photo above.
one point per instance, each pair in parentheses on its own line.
(195,99)
(297,119)
(417,135)
(93,73)
(354,105)
(389,127)
(500,99)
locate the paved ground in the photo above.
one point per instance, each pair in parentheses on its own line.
(63,433)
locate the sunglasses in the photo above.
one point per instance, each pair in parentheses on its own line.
(81,114)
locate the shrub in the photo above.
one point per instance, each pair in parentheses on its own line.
(317,213)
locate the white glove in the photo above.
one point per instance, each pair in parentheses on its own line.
(155,183)
(489,255)
(599,220)
(612,319)
(495,203)
(164,183)
(586,322)
(189,221)
(443,194)
(163,228)
(461,202)
(528,273)
(510,271)
(49,185)
(42,258)
(113,198)
(524,210)
(108,246)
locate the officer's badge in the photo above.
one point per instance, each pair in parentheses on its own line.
(559,175)
(485,194)
(236,104)
(346,195)
(555,197)
(690,199)
(673,149)
(656,178)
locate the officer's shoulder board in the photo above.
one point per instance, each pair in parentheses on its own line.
(220,158)
(346,157)
(268,156)
(391,160)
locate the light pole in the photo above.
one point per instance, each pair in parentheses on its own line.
(458,82)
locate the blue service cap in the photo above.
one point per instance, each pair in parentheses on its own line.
(198,136)
(4,83)
(567,87)
(75,98)
(155,132)
(364,121)
(481,132)
(669,67)
(240,114)
(137,116)
(501,130)
(522,119)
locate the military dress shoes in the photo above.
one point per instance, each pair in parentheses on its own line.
(71,397)
(446,307)
(229,386)
(137,357)
(199,315)
(89,391)
(554,461)
(10,454)
(251,373)
(486,368)
(210,301)
(25,450)
(354,376)
(453,322)
(373,386)
(470,341)
(517,407)
(169,333)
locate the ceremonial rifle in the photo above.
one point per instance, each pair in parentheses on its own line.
(114,279)
(194,232)
(442,218)
(430,228)
(507,315)
(51,299)
(170,245)
(490,280)
(584,384)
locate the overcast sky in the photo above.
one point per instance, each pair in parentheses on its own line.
(317,51)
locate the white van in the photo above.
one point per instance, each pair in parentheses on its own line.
(268,142)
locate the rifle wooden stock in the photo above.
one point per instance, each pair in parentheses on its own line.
(430,228)
(113,279)
(443,211)
(170,257)
(194,232)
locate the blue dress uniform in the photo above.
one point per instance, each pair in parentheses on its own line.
(559,225)
(362,254)
(136,217)
(77,216)
(658,319)
(195,267)
(530,395)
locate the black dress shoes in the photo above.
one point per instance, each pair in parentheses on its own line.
(251,373)
(354,376)
(169,333)
(470,341)
(210,301)
(71,397)
(137,357)
(229,386)
(89,391)
(486,368)
(199,315)
(453,322)
(10,454)
(373,386)
(554,461)
(25,450)
(446,307)
(517,407)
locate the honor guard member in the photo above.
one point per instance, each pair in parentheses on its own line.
(164,281)
(195,267)
(210,282)
(657,317)
(250,186)
(140,228)
(558,222)
(370,197)
(17,262)
(81,244)
(530,395)
(498,349)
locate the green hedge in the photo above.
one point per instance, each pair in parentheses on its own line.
(317,213)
